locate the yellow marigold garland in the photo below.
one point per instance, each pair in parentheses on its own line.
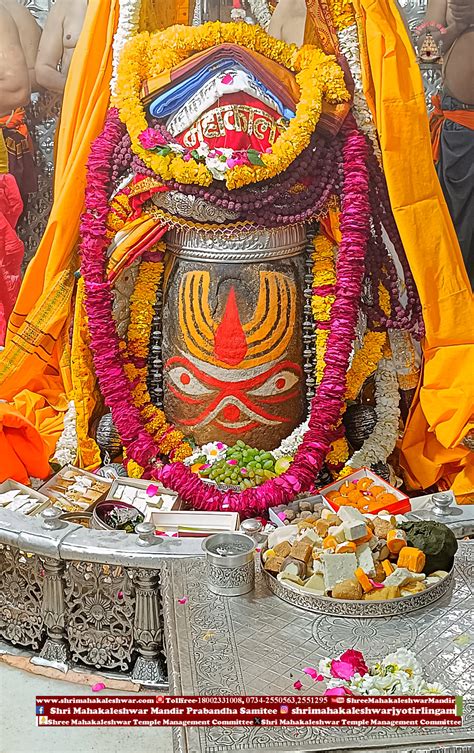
(342,13)
(85,391)
(365,362)
(318,75)
(170,440)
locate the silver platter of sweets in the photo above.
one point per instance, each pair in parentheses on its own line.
(328,605)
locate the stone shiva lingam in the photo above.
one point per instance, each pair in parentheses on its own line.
(235,279)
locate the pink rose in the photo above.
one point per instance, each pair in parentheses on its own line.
(338,691)
(150,139)
(348,664)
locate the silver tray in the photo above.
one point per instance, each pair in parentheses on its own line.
(358,608)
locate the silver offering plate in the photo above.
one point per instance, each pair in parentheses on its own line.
(357,608)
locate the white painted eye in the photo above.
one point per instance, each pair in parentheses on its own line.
(276,384)
(186,382)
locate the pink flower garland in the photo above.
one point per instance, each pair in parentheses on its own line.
(327,403)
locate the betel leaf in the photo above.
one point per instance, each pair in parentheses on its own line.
(254,158)
(163,151)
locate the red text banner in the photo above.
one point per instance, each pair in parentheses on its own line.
(245,711)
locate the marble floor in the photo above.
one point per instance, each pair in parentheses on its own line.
(19,733)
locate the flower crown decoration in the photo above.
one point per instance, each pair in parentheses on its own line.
(319,76)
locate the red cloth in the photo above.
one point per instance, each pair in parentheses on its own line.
(11,248)
(238,121)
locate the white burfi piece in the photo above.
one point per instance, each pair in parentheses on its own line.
(350,515)
(29,506)
(401,576)
(354,530)
(435,577)
(310,533)
(338,567)
(315,584)
(338,533)
(129,494)
(18,502)
(285,575)
(365,559)
(318,566)
(7,497)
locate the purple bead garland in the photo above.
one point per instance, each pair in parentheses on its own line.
(319,168)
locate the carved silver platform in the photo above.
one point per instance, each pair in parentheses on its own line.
(258,645)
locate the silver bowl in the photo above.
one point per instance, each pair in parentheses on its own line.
(357,608)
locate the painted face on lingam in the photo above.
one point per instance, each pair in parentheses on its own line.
(232,354)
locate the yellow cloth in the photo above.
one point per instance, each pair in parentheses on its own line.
(35,365)
(442,413)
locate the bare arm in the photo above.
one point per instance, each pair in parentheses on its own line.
(51,51)
(278,18)
(14,80)
(30,35)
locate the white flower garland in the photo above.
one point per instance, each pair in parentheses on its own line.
(349,44)
(66,448)
(399,673)
(261,12)
(128,25)
(381,442)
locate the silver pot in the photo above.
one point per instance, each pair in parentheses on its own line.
(230,563)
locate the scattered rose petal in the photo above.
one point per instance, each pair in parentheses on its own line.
(227,79)
(311,672)
(337,691)
(184,600)
(232,461)
(258,549)
(375,584)
(204,466)
(348,664)
(152,490)
(282,515)
(120,595)
(297,685)
(97,687)
(220,445)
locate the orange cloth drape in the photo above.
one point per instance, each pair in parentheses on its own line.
(437,118)
(34,367)
(22,450)
(443,410)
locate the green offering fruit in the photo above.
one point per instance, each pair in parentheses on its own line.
(242,467)
(282,464)
(436,540)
